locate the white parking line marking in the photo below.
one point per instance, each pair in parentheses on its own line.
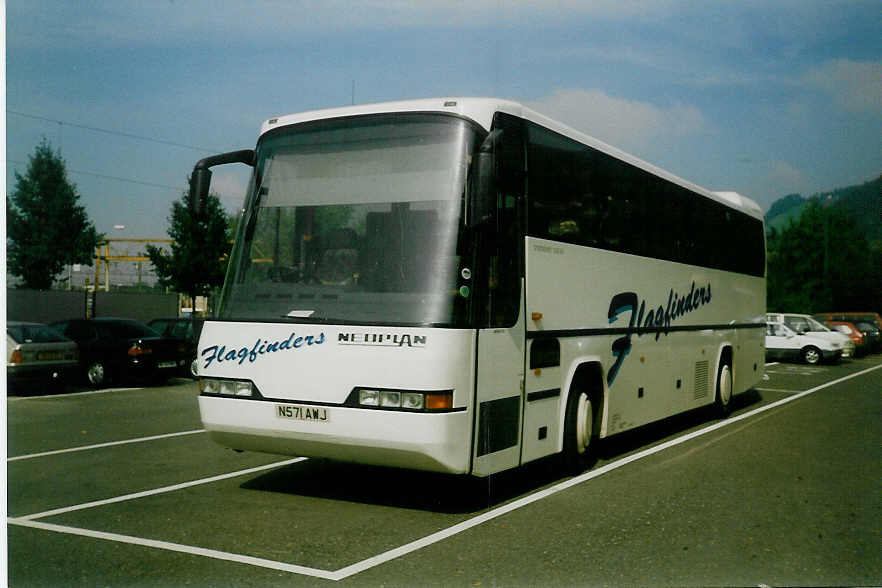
(505,509)
(71,394)
(192,550)
(163,490)
(108,444)
(407,548)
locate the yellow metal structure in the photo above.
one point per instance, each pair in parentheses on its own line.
(107,258)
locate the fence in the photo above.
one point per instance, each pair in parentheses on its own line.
(46,306)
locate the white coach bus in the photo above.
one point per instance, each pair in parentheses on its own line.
(464,286)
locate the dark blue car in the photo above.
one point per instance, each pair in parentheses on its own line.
(116,350)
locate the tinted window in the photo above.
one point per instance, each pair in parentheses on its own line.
(34,334)
(499,245)
(126,330)
(80,331)
(580,195)
(179,329)
(161,326)
(131,330)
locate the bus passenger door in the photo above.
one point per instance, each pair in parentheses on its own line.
(499,398)
(499,292)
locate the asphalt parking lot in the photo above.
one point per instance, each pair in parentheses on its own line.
(123,487)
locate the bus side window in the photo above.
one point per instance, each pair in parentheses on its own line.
(505,248)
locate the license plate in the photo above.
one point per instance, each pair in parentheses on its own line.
(166,364)
(303,413)
(49,355)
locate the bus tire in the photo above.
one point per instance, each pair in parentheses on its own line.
(578,432)
(724,392)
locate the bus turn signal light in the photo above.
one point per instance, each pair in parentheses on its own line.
(411,401)
(442,401)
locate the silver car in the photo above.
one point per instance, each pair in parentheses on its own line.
(37,355)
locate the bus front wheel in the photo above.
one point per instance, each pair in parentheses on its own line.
(578,432)
(723,399)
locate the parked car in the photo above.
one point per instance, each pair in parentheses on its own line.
(861,343)
(852,317)
(872,333)
(37,355)
(804,324)
(115,349)
(188,329)
(784,343)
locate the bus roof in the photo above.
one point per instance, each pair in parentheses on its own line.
(481,111)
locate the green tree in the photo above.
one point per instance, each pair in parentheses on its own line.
(820,262)
(46,228)
(199,250)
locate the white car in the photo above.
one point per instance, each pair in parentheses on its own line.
(803,324)
(784,343)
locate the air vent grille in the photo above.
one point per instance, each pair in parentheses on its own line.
(701,379)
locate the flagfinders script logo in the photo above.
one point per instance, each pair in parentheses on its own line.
(657,320)
(261,347)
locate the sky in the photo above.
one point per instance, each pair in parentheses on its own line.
(764,98)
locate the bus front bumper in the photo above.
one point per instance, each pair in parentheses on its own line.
(439,442)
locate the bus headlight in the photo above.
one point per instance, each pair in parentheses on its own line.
(390,399)
(412,401)
(226,387)
(369,397)
(401,400)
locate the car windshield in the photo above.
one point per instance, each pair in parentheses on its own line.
(815,326)
(354,220)
(34,334)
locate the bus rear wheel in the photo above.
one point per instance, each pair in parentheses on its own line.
(578,432)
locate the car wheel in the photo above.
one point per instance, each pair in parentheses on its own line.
(811,355)
(194,369)
(96,373)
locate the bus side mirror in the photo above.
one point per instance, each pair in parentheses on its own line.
(482,201)
(200,181)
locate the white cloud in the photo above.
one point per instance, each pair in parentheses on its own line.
(855,85)
(627,124)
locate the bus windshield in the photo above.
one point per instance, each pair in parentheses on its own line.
(355,220)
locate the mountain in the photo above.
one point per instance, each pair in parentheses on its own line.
(863,203)
(784,210)
(782,205)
